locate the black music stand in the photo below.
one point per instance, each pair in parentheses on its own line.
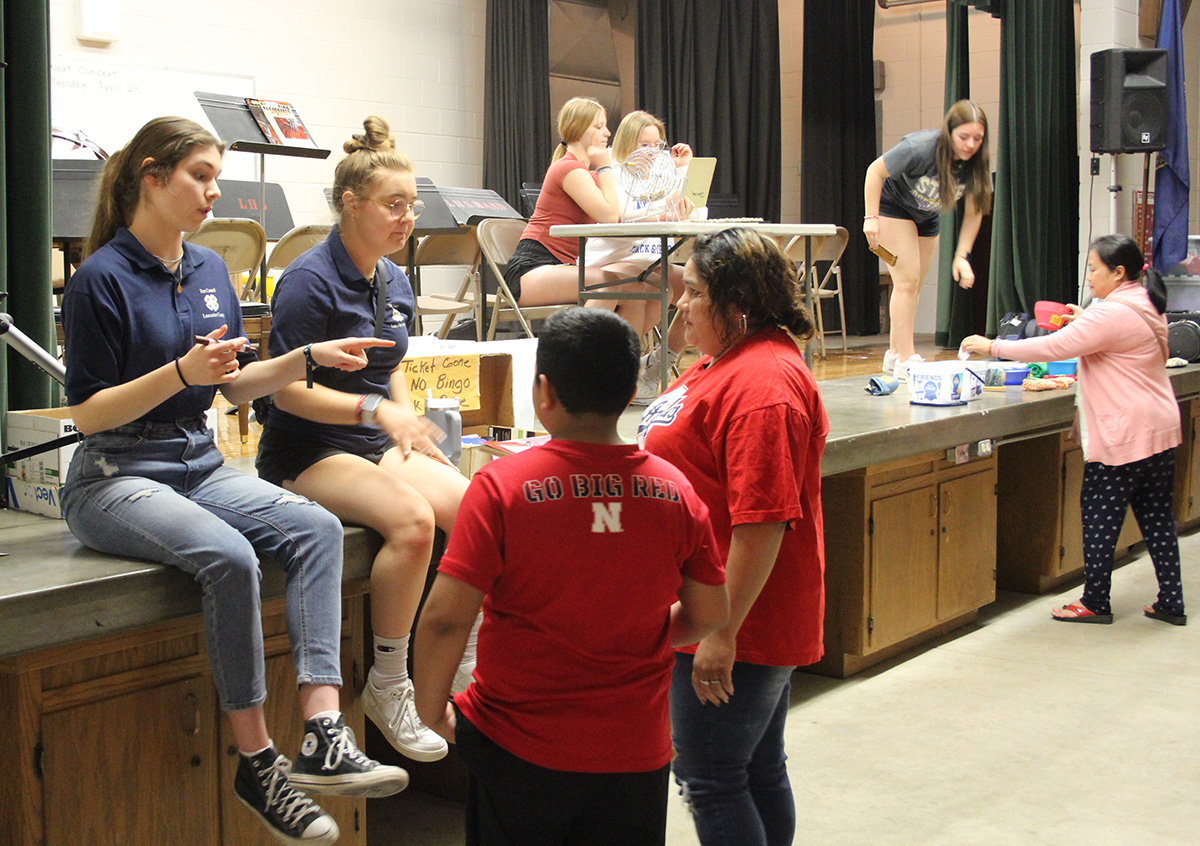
(448,209)
(73,187)
(231,117)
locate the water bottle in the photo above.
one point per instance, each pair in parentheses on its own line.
(444,414)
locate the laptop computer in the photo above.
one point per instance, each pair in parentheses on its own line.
(699,180)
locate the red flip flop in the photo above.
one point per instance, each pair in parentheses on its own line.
(1080,614)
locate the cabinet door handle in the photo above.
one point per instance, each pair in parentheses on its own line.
(191,715)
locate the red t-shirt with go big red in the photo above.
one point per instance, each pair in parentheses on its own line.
(580,550)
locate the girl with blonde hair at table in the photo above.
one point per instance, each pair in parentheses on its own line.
(153,331)
(641,136)
(579,188)
(906,191)
(353,442)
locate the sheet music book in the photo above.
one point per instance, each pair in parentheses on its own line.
(260,117)
(280,123)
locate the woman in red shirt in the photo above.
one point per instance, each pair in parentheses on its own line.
(746,425)
(578,189)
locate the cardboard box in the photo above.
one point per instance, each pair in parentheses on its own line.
(483,384)
(37,426)
(34,497)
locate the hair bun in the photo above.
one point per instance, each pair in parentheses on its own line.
(377,136)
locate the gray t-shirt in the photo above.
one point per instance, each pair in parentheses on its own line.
(912,182)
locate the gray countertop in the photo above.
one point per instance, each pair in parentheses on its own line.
(53,591)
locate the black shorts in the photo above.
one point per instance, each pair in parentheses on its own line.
(926,227)
(283,457)
(511,802)
(528,255)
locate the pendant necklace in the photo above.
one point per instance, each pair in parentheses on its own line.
(177,272)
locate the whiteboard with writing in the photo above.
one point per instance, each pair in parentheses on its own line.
(109,101)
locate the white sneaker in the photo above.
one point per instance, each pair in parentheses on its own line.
(394,712)
(889,361)
(648,388)
(901,371)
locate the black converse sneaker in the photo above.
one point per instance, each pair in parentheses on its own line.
(329,762)
(261,784)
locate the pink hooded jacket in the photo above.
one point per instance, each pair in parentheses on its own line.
(1127,406)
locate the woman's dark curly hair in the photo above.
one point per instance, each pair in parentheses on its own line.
(747,273)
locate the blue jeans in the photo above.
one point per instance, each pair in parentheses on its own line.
(730,761)
(159,491)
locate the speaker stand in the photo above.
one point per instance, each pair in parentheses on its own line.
(1114,188)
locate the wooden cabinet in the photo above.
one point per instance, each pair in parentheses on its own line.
(120,739)
(909,551)
(1039,529)
(136,768)
(1187,465)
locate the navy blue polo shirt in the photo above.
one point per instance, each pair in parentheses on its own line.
(322,296)
(125,315)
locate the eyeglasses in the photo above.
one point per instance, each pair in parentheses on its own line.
(657,145)
(399,208)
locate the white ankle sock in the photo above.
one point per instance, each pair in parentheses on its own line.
(331,714)
(391,661)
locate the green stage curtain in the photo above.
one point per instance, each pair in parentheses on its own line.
(1035,215)
(955,305)
(516,116)
(25,196)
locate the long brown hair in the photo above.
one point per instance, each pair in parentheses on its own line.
(748,274)
(156,149)
(371,151)
(976,170)
(574,118)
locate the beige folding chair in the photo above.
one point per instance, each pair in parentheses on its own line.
(498,239)
(294,243)
(826,249)
(455,249)
(242,245)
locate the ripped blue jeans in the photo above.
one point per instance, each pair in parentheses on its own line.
(160,491)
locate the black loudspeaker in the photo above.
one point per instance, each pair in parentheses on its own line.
(1129,101)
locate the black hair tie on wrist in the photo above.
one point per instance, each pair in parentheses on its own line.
(179,370)
(309,365)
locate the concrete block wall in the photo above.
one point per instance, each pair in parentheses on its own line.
(417,63)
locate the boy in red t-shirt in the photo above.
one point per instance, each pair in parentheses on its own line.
(592,560)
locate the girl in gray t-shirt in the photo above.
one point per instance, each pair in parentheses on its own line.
(905,192)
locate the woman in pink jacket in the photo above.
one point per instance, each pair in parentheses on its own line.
(1128,422)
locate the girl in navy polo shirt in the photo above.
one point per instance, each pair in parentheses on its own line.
(153,329)
(354,443)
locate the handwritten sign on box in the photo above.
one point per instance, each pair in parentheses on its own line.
(443,376)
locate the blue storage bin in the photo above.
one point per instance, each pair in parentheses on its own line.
(1066,367)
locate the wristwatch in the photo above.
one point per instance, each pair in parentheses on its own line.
(367,406)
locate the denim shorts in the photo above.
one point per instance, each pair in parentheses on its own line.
(927,227)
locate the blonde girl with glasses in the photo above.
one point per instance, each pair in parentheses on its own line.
(356,445)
